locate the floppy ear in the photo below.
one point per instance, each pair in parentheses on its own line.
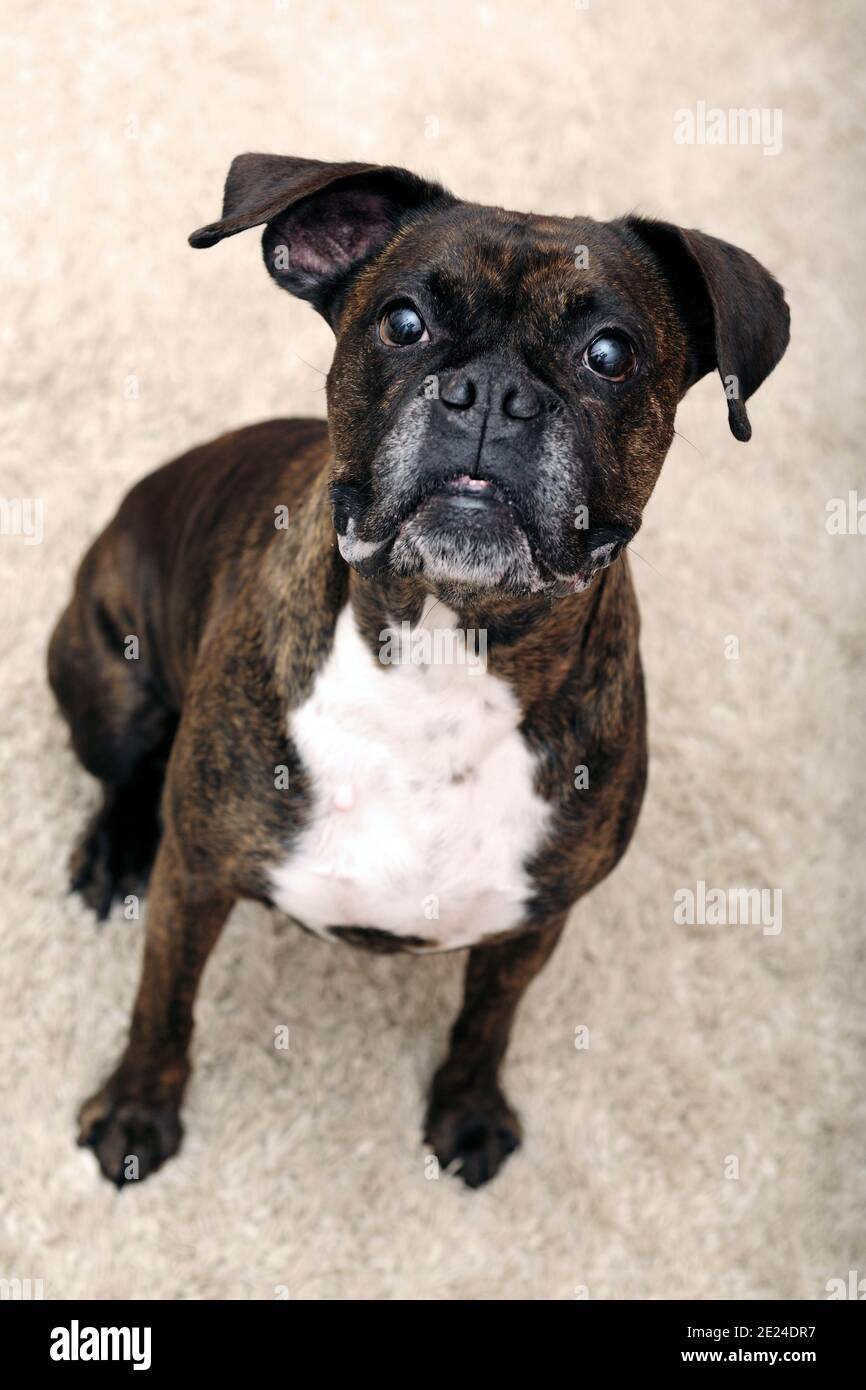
(323,221)
(733,310)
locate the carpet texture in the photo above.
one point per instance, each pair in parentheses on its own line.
(713,1050)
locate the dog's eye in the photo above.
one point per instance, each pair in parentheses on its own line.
(402,326)
(611,355)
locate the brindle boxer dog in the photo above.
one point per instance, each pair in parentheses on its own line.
(500,402)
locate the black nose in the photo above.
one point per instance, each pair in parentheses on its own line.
(458,391)
(521,402)
(517,399)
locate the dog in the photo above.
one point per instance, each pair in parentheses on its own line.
(500,402)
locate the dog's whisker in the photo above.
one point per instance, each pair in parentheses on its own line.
(311,365)
(631,550)
(680,435)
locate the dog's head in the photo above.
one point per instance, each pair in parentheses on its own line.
(504,385)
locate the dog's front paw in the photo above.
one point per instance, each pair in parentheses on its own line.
(478,1130)
(130,1138)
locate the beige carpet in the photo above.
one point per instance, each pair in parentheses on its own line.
(707,1043)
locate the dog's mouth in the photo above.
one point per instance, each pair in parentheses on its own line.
(456,527)
(463,499)
(466,488)
(455,502)
(462,525)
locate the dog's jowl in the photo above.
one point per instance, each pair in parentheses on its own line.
(370,717)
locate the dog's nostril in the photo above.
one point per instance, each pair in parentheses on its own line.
(614,534)
(458,391)
(521,403)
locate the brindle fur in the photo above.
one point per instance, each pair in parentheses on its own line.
(235,617)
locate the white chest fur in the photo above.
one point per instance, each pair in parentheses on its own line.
(424,809)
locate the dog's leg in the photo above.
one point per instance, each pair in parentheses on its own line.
(468,1117)
(133,1122)
(121,732)
(115,853)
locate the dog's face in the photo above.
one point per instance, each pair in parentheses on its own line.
(504,385)
(499,409)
